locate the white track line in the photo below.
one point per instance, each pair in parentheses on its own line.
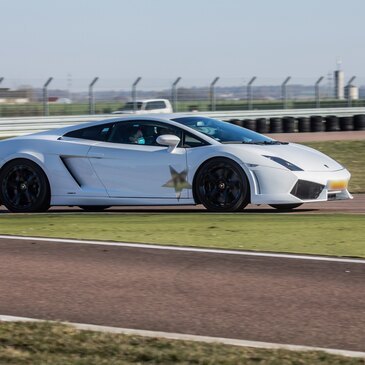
(185,337)
(186,249)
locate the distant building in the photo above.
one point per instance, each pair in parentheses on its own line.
(339,84)
(352,92)
(8,96)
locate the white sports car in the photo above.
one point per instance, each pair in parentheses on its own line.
(163,160)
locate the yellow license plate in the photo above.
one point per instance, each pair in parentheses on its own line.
(337,185)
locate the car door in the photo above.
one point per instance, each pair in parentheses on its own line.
(131,164)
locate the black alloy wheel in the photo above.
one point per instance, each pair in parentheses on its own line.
(222,186)
(94,208)
(24,187)
(285,206)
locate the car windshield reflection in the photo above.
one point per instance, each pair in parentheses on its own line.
(224,132)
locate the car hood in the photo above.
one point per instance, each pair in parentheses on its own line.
(304,157)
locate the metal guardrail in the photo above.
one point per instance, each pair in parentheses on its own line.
(17,126)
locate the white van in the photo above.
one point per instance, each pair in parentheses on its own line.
(147,107)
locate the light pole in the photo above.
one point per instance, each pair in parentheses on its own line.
(249,93)
(284,95)
(212,94)
(45,97)
(174,93)
(316,91)
(134,93)
(91,96)
(349,96)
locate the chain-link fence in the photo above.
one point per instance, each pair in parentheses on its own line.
(73,96)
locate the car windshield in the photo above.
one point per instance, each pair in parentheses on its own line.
(224,132)
(130,106)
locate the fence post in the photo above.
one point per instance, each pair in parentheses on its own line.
(91,96)
(134,93)
(212,94)
(249,93)
(348,86)
(1,80)
(45,97)
(284,95)
(174,93)
(316,91)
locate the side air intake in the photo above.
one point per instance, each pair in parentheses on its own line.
(307,190)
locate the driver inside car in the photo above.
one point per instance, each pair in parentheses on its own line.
(136,136)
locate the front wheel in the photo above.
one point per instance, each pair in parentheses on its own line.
(222,186)
(285,206)
(24,187)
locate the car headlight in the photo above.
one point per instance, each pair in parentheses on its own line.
(284,163)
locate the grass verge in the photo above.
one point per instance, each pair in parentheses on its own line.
(322,234)
(350,154)
(56,344)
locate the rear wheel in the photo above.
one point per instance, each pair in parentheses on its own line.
(222,186)
(24,187)
(94,208)
(285,206)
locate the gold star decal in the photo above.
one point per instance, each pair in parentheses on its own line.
(178,182)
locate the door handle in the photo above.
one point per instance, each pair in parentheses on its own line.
(96,155)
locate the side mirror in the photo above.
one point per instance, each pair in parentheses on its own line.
(168,140)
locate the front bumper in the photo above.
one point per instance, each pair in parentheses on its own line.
(279,186)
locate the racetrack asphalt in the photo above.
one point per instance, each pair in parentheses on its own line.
(269,299)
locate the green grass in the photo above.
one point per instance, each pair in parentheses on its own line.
(56,344)
(350,154)
(323,234)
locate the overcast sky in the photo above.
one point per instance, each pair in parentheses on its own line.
(188,38)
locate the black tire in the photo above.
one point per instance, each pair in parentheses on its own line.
(24,187)
(316,122)
(346,124)
(285,206)
(289,125)
(304,125)
(249,124)
(332,123)
(262,125)
(359,122)
(236,122)
(276,125)
(222,186)
(94,208)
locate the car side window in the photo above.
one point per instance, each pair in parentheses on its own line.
(141,132)
(95,133)
(155,105)
(191,141)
